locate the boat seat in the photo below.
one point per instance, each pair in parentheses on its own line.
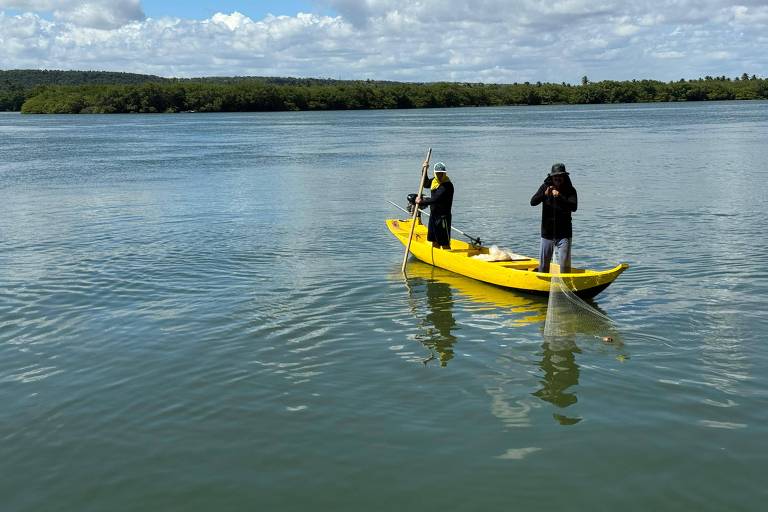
(519,265)
(514,260)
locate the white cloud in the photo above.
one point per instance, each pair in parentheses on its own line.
(719,55)
(671,54)
(750,15)
(103,14)
(626,30)
(419,40)
(231,21)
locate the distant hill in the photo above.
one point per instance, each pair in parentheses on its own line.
(16,85)
(279,80)
(35,77)
(28,78)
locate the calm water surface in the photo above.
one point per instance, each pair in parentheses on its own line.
(205,312)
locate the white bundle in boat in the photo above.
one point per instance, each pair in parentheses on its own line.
(496,253)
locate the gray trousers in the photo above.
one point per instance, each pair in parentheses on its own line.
(563,246)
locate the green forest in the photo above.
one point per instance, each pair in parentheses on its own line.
(93,92)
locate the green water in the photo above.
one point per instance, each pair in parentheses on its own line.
(206,312)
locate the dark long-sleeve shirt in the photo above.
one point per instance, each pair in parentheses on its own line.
(556,211)
(440,199)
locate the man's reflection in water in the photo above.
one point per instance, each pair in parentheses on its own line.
(560,373)
(438,336)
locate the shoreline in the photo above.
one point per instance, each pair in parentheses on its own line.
(679,102)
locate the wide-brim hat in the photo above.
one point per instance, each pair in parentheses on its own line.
(558,170)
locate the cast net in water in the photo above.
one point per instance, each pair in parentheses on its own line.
(568,314)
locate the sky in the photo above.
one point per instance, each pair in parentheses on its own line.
(491,41)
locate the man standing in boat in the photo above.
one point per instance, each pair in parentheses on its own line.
(560,200)
(440,202)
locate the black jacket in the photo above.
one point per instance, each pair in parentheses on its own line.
(556,211)
(441,199)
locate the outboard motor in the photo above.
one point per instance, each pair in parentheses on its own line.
(412,205)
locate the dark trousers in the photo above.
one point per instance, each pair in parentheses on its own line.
(439,230)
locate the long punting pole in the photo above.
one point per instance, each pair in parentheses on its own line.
(424,168)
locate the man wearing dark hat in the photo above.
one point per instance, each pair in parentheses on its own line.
(560,200)
(440,202)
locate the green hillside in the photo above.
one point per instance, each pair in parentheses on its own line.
(17,85)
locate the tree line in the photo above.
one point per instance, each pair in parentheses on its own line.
(233,94)
(17,85)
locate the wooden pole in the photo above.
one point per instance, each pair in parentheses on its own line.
(424,168)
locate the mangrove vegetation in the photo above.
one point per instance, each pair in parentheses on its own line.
(47,92)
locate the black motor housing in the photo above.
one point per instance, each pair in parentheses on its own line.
(412,203)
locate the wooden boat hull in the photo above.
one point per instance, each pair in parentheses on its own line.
(518,274)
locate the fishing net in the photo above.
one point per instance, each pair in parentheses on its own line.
(568,314)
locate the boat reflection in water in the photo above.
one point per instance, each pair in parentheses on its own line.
(559,369)
(444,289)
(525,309)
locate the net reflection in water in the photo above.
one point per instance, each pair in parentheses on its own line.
(568,314)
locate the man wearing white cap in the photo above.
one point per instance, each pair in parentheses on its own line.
(440,202)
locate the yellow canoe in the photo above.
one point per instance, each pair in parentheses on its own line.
(518,274)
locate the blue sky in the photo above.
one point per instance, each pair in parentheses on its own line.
(492,41)
(206,9)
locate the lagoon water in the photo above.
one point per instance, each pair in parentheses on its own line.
(206,312)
